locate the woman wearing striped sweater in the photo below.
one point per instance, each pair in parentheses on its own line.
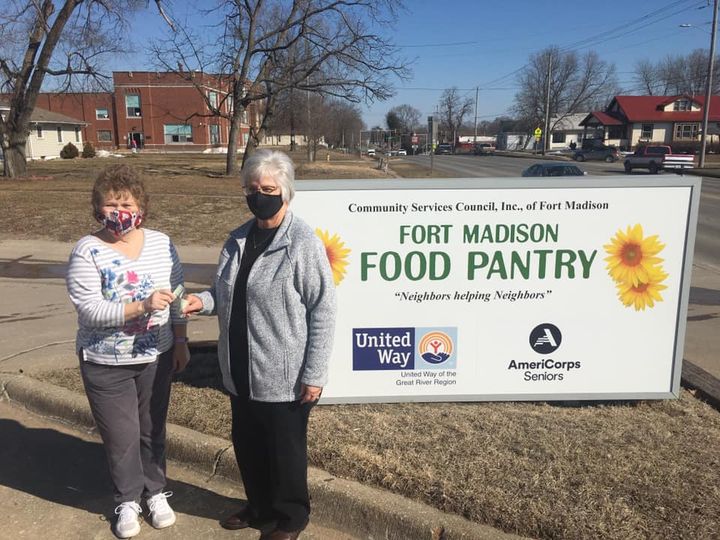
(131,339)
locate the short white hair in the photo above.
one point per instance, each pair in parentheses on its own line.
(275,164)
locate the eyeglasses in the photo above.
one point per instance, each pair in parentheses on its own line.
(266,190)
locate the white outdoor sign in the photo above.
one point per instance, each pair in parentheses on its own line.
(506,289)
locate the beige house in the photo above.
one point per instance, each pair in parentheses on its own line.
(565,130)
(49,133)
(629,121)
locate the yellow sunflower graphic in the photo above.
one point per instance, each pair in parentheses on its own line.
(336,253)
(644,294)
(632,257)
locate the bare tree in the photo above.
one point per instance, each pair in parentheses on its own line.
(675,75)
(453,109)
(263,48)
(67,41)
(577,84)
(647,78)
(405,118)
(345,123)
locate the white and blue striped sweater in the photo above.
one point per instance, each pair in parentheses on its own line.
(101,280)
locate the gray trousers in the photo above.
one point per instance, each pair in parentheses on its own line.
(130,404)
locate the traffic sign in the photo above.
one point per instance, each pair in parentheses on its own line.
(414,139)
(538,133)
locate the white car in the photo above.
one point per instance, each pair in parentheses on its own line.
(371,152)
(402,152)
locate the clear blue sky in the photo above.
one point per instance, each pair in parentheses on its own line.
(469,43)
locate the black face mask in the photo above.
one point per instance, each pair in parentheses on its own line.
(264,206)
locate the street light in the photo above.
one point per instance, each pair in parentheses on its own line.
(709,85)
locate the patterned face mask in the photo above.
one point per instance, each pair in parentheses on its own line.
(120,222)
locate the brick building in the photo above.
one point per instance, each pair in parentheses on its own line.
(158,110)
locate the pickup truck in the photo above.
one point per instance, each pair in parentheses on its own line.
(657,158)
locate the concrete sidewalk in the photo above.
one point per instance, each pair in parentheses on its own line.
(54,484)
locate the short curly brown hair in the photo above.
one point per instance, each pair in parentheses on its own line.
(119,179)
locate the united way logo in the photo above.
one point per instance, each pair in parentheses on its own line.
(381,349)
(436,348)
(387,349)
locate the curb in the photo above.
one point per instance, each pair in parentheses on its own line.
(342,504)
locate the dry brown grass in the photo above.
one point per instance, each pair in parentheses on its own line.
(190,199)
(623,471)
(647,470)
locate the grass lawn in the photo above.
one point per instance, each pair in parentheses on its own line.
(646,470)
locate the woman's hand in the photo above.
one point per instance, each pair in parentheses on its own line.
(181,356)
(310,394)
(158,300)
(194,304)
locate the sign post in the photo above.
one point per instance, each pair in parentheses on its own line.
(432,137)
(538,136)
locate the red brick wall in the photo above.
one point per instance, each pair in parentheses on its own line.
(165,98)
(82,106)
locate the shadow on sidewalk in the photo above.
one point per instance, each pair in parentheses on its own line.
(67,470)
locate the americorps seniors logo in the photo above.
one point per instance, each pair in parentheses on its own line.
(405,348)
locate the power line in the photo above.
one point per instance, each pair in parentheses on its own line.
(598,37)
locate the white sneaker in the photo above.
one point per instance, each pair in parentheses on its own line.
(127,524)
(161,515)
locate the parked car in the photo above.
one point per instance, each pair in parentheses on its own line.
(444,149)
(657,158)
(553,169)
(484,149)
(597,153)
(402,152)
(371,152)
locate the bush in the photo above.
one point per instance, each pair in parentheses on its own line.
(88,150)
(69,151)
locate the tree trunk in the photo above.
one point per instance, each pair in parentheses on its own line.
(249,149)
(231,167)
(15,163)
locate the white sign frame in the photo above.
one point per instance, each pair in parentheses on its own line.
(312,213)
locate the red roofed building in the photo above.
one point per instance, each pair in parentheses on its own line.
(631,120)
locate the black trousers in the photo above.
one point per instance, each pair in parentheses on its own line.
(270,442)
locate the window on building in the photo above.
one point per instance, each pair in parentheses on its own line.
(178,133)
(245,117)
(616,132)
(104,135)
(558,137)
(102,114)
(77,134)
(682,105)
(213,100)
(39,130)
(59,134)
(686,131)
(229,102)
(214,134)
(647,132)
(132,104)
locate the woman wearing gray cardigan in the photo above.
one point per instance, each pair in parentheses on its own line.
(275,300)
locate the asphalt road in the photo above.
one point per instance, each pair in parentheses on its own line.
(463,166)
(707,244)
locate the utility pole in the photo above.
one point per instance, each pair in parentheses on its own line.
(477,89)
(547,104)
(708,88)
